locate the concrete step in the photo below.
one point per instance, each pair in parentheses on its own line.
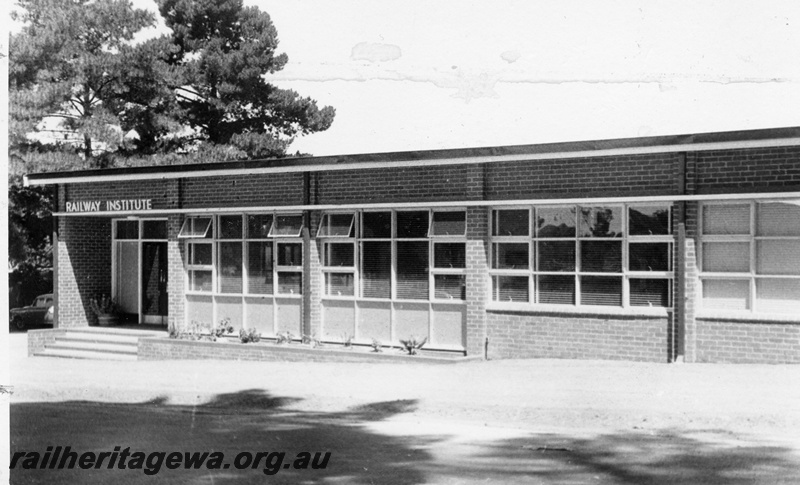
(84,354)
(64,344)
(111,338)
(119,331)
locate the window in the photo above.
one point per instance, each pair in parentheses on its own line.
(401,255)
(750,256)
(247,255)
(582,255)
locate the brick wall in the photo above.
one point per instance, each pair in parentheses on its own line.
(242,190)
(580,336)
(39,338)
(84,268)
(745,170)
(748,342)
(162,192)
(584,177)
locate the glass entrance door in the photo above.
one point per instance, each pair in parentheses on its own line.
(154,283)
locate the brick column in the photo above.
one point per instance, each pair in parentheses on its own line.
(477,262)
(312,291)
(175,274)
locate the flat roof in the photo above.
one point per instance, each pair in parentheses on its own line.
(769,137)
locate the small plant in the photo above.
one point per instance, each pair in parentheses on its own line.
(103,305)
(195,331)
(413,344)
(347,340)
(312,341)
(224,328)
(284,338)
(377,345)
(249,336)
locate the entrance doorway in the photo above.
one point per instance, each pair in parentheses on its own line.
(140,270)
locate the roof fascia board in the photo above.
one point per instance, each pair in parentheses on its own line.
(445,204)
(43,179)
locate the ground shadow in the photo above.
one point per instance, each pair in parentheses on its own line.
(250,420)
(256,421)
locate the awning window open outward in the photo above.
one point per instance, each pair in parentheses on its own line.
(195,228)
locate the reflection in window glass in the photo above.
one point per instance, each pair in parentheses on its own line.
(376,269)
(510,288)
(200,254)
(287,226)
(510,222)
(412,224)
(449,287)
(339,284)
(336,225)
(555,222)
(259,226)
(601,290)
(511,256)
(376,225)
(649,257)
(290,254)
(650,292)
(556,289)
(449,255)
(601,256)
(290,283)
(259,268)
(648,221)
(229,272)
(600,221)
(556,255)
(230,227)
(339,254)
(200,280)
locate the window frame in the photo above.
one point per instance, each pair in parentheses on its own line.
(752,276)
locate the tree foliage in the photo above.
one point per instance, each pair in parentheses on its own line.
(84,93)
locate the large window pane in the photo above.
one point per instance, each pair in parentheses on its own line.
(510,222)
(154,229)
(511,256)
(649,257)
(259,226)
(412,224)
(555,222)
(339,284)
(339,254)
(778,295)
(601,256)
(376,225)
(601,290)
(412,270)
(778,219)
(449,223)
(726,257)
(648,221)
(600,221)
(449,255)
(259,268)
(376,269)
(449,287)
(510,288)
(778,257)
(290,254)
(556,255)
(230,227)
(230,267)
(336,225)
(726,219)
(556,290)
(127,229)
(290,283)
(649,292)
(726,294)
(200,254)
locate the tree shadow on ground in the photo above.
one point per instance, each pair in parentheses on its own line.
(363,452)
(247,421)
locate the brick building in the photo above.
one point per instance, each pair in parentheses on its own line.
(652,249)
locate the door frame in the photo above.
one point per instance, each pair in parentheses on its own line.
(141,318)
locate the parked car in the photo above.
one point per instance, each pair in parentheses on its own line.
(38,313)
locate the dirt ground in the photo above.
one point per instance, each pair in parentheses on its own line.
(515,421)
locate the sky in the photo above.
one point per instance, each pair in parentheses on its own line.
(422,74)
